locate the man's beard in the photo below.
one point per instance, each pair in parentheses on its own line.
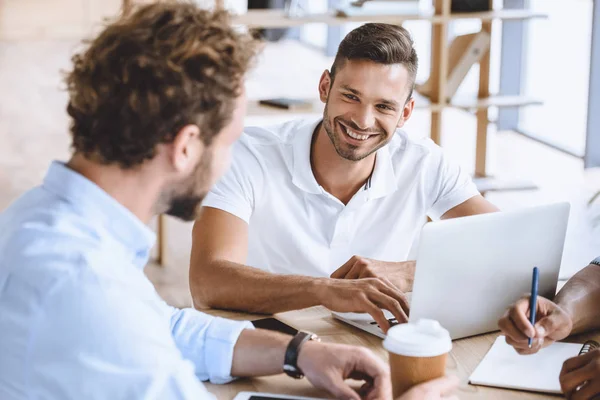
(345,150)
(185,205)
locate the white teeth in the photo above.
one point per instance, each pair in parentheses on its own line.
(356,136)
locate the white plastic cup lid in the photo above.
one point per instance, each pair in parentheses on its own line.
(425,338)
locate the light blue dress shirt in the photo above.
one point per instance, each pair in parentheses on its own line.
(78,317)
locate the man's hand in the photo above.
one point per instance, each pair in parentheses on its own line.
(400,274)
(436,389)
(326,366)
(369,295)
(581,372)
(553,324)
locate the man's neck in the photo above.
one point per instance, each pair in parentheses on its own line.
(339,177)
(127,187)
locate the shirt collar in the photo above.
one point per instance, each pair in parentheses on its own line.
(383,180)
(101,209)
(302,175)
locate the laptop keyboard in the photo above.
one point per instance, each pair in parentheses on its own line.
(392,321)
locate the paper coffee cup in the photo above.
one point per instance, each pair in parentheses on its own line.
(418,353)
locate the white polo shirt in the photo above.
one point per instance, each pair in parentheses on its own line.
(296,227)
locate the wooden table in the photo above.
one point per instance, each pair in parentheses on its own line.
(466,355)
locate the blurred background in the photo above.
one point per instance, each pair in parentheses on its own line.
(542,139)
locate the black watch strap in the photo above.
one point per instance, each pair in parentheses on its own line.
(596,261)
(290,364)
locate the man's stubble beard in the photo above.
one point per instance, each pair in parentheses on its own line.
(335,140)
(185,205)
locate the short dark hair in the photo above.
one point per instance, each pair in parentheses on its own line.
(149,74)
(380,43)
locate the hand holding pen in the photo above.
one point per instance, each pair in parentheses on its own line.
(551,323)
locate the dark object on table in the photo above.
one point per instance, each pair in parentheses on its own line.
(273,324)
(288,104)
(271,34)
(470,5)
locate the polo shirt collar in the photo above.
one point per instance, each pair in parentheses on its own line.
(101,208)
(383,180)
(302,174)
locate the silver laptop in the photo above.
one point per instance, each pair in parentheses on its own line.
(469,270)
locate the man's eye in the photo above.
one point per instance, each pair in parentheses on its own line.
(384,107)
(351,96)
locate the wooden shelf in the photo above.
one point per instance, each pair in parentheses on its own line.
(491,184)
(495,101)
(277,18)
(506,15)
(421,103)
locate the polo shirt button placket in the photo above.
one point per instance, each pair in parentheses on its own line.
(341,235)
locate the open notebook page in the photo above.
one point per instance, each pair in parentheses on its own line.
(503,367)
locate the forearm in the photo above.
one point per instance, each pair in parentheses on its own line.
(580,297)
(228,285)
(259,353)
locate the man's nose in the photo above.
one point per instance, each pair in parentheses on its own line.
(364,118)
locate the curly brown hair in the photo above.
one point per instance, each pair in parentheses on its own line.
(149,74)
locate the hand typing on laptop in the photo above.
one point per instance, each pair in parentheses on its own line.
(395,278)
(368,295)
(400,274)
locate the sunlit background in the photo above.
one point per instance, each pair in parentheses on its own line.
(545,144)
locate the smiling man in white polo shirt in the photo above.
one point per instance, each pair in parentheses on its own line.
(324,212)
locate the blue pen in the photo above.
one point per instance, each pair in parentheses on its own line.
(533,299)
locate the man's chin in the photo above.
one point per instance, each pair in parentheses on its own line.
(357,153)
(351,153)
(186,209)
(187,217)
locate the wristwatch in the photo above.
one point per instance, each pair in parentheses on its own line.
(596,261)
(290,363)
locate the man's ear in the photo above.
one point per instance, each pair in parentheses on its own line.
(406,112)
(324,86)
(186,149)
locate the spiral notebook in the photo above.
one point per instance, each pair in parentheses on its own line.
(503,367)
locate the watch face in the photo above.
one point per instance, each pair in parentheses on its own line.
(292,371)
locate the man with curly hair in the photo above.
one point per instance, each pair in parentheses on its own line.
(155,101)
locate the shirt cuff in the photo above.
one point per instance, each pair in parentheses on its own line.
(221,337)
(452,200)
